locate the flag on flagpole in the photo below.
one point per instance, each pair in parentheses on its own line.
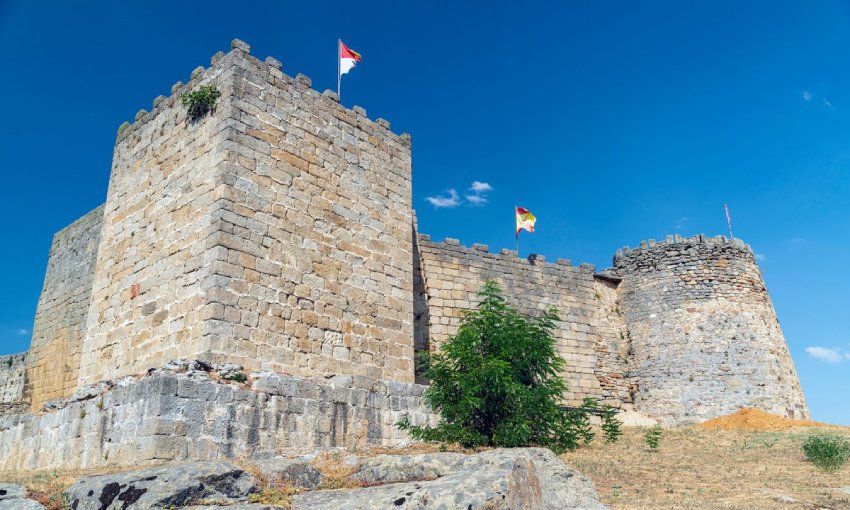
(347,59)
(524,220)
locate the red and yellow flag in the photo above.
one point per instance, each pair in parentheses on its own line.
(524,220)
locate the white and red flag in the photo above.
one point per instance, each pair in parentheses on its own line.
(348,58)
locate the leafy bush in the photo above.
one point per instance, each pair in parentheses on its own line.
(201,101)
(238,377)
(612,428)
(497,382)
(653,437)
(827,452)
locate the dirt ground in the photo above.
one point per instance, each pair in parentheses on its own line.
(713,469)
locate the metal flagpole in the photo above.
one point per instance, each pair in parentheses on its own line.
(338,68)
(516,233)
(728,221)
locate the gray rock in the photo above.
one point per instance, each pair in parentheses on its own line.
(20,504)
(12,491)
(523,478)
(297,472)
(175,485)
(13,497)
(246,506)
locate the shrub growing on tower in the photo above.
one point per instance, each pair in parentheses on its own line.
(497,383)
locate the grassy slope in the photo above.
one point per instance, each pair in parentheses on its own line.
(704,469)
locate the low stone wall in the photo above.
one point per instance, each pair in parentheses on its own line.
(12,372)
(171,415)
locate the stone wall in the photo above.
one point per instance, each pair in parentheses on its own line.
(274,232)
(12,377)
(179,414)
(148,302)
(590,335)
(312,255)
(704,334)
(60,319)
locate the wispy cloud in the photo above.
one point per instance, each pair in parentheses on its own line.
(443,201)
(22,332)
(827,355)
(808,97)
(477,193)
(681,222)
(798,241)
(760,257)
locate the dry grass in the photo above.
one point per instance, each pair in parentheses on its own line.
(710,469)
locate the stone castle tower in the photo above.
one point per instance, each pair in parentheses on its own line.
(275,233)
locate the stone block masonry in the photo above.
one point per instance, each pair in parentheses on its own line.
(590,335)
(185,412)
(12,376)
(60,320)
(704,335)
(274,233)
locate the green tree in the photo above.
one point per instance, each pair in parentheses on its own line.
(611,426)
(497,381)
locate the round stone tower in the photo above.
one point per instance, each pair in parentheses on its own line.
(704,338)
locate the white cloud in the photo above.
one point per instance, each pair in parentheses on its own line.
(760,257)
(824,354)
(807,96)
(476,199)
(827,103)
(478,190)
(22,332)
(480,187)
(681,222)
(452,200)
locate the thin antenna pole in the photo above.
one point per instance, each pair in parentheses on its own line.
(338,68)
(728,221)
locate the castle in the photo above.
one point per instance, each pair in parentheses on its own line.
(277,233)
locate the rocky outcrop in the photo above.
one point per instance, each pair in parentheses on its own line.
(174,486)
(522,478)
(14,497)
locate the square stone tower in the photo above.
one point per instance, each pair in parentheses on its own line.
(273,232)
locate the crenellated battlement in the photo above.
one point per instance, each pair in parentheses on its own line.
(507,255)
(273,69)
(677,240)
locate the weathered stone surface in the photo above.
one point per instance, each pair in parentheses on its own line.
(186,412)
(13,497)
(12,491)
(12,372)
(60,319)
(20,504)
(176,486)
(496,479)
(704,336)
(298,472)
(591,336)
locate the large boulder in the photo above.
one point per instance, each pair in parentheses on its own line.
(522,478)
(171,486)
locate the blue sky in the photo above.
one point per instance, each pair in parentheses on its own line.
(612,121)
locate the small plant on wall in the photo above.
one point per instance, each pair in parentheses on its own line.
(201,101)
